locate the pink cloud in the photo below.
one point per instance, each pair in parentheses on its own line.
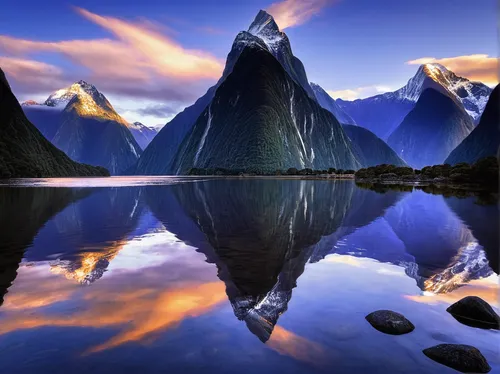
(140,61)
(289,13)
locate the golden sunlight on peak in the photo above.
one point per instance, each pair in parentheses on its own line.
(88,263)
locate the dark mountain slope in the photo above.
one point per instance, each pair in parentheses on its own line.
(370,149)
(261,120)
(431,130)
(484,140)
(24,152)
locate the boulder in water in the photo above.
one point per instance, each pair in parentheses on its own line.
(464,358)
(390,322)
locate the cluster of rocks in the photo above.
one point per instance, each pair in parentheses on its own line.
(471,311)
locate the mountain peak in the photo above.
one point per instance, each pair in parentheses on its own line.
(263,20)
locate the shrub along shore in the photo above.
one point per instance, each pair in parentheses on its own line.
(327,173)
(483,173)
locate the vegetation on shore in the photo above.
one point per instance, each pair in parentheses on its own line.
(290,171)
(484,173)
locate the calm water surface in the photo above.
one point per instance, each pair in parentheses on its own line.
(236,276)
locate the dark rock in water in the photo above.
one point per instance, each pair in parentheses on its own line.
(474,311)
(463,358)
(390,322)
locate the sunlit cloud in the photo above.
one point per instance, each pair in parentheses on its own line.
(477,67)
(140,61)
(29,73)
(289,344)
(289,13)
(359,92)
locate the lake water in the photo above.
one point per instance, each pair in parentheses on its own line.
(173,275)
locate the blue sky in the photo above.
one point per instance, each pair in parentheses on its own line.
(152,58)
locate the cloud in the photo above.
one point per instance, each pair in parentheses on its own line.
(290,13)
(477,67)
(29,73)
(359,93)
(140,61)
(157,110)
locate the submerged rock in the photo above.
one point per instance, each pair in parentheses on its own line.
(475,312)
(390,322)
(464,358)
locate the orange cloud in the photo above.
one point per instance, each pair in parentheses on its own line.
(478,67)
(141,311)
(141,61)
(289,13)
(289,344)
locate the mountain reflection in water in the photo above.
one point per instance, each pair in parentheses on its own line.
(131,263)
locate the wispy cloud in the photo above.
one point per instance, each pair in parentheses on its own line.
(140,61)
(359,92)
(477,67)
(289,13)
(158,110)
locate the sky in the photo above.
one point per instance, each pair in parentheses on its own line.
(153,58)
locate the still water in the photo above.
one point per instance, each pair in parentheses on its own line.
(236,276)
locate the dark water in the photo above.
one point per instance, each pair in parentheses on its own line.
(236,276)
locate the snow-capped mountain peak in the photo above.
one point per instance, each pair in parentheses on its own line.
(472,95)
(86,100)
(265,28)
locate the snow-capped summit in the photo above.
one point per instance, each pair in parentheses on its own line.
(86,100)
(266,29)
(472,95)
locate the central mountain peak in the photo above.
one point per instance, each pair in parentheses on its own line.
(262,21)
(265,28)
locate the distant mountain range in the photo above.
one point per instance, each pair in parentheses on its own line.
(484,140)
(82,122)
(383,113)
(24,151)
(264,115)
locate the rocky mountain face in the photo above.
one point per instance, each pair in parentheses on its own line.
(370,150)
(484,140)
(263,33)
(328,103)
(25,152)
(82,122)
(261,120)
(433,128)
(142,133)
(381,114)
